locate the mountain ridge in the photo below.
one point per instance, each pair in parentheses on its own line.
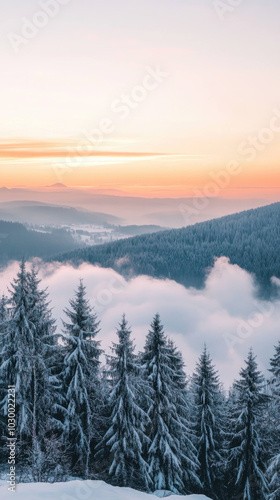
(250,239)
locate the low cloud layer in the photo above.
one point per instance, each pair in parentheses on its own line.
(226,315)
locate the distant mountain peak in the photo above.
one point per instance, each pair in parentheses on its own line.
(58,185)
(4,188)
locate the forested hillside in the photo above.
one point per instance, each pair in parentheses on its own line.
(17,242)
(250,239)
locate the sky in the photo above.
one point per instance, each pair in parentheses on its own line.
(151,97)
(230,320)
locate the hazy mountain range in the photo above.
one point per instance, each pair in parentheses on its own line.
(167,212)
(65,220)
(34,212)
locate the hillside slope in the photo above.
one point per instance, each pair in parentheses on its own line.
(17,242)
(250,239)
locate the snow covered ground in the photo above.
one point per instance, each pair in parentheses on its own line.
(80,490)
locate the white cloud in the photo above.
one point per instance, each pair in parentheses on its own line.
(225,314)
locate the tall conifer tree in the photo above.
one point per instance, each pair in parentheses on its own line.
(209,425)
(166,430)
(246,453)
(125,438)
(80,375)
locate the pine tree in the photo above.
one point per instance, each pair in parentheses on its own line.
(124,440)
(45,385)
(80,375)
(3,310)
(165,455)
(245,460)
(275,366)
(25,354)
(100,452)
(185,409)
(17,353)
(209,427)
(271,427)
(275,386)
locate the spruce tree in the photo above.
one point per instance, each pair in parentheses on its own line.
(245,460)
(17,354)
(185,411)
(124,440)
(44,385)
(164,455)
(274,406)
(275,389)
(275,366)
(25,355)
(271,426)
(3,310)
(80,376)
(209,425)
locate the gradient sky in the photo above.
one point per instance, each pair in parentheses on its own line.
(221,86)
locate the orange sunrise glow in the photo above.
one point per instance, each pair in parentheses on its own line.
(121,108)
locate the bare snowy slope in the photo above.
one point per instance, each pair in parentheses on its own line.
(80,490)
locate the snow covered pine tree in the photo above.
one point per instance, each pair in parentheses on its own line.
(170,448)
(245,460)
(209,426)
(25,353)
(44,384)
(80,375)
(273,471)
(125,437)
(185,410)
(17,354)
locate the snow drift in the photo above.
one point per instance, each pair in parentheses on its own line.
(81,490)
